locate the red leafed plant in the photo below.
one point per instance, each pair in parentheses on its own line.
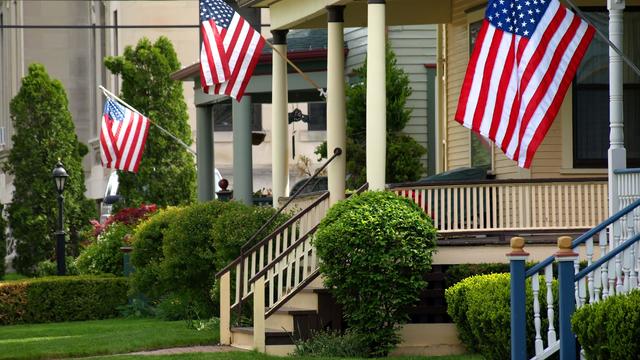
(128,216)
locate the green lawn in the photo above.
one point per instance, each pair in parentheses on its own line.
(12,277)
(116,336)
(256,356)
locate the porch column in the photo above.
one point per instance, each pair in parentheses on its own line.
(279,119)
(617,153)
(336,103)
(376,96)
(242,161)
(204,148)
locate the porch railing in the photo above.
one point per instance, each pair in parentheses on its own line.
(511,205)
(612,256)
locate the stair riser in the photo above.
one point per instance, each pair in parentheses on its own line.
(242,340)
(280,321)
(304,300)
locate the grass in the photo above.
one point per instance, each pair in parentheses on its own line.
(257,356)
(115,336)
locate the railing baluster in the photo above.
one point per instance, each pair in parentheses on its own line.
(245,280)
(548,277)
(535,285)
(481,208)
(238,284)
(455,206)
(589,262)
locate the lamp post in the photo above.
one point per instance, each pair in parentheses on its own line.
(60,176)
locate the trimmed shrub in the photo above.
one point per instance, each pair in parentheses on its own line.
(3,241)
(332,344)
(368,244)
(456,273)
(610,329)
(178,251)
(56,299)
(147,254)
(480,307)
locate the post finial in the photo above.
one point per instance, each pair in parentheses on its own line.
(517,247)
(564,247)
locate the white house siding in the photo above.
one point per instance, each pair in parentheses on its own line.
(414,47)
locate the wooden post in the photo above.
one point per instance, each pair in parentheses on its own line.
(225,309)
(258,316)
(566,279)
(517,258)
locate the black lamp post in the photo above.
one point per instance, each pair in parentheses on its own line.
(60,177)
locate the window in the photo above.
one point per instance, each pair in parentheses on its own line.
(481,147)
(317,116)
(223,117)
(591,97)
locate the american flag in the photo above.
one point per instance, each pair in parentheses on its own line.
(122,137)
(526,55)
(230,49)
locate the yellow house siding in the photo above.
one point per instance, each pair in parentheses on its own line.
(457,57)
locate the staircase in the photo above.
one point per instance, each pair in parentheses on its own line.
(611,252)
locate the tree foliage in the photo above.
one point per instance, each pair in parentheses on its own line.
(44,133)
(167,172)
(403,152)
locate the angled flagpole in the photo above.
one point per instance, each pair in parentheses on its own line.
(112,95)
(602,36)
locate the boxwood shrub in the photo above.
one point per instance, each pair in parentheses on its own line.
(56,299)
(481,309)
(610,329)
(375,249)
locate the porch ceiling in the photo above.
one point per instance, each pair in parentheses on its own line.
(309,14)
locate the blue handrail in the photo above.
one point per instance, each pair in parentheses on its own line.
(626,171)
(584,237)
(625,245)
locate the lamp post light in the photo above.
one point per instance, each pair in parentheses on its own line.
(60,176)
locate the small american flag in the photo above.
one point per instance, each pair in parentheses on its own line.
(230,49)
(526,55)
(122,137)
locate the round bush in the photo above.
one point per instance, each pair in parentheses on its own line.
(369,244)
(147,254)
(480,306)
(610,329)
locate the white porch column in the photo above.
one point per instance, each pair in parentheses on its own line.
(279,119)
(336,103)
(617,153)
(376,96)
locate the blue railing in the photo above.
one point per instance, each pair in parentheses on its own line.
(613,269)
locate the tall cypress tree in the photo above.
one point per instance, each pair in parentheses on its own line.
(167,172)
(44,133)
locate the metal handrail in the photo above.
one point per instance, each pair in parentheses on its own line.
(336,152)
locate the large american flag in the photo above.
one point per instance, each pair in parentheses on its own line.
(230,49)
(526,55)
(122,137)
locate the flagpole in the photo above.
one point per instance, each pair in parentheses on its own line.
(110,94)
(604,37)
(323,93)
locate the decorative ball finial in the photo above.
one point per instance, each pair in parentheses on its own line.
(517,247)
(224,184)
(564,247)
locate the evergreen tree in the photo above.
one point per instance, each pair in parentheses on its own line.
(44,133)
(403,152)
(167,172)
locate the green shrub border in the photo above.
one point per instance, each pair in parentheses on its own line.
(57,299)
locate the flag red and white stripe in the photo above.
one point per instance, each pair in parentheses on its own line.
(526,55)
(230,49)
(123,135)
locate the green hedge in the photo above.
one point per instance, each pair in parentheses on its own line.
(610,329)
(480,307)
(56,299)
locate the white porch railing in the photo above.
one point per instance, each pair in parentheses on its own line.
(511,205)
(628,185)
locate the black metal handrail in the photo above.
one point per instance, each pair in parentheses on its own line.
(336,152)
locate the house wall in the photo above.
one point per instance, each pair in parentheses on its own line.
(553,158)
(414,46)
